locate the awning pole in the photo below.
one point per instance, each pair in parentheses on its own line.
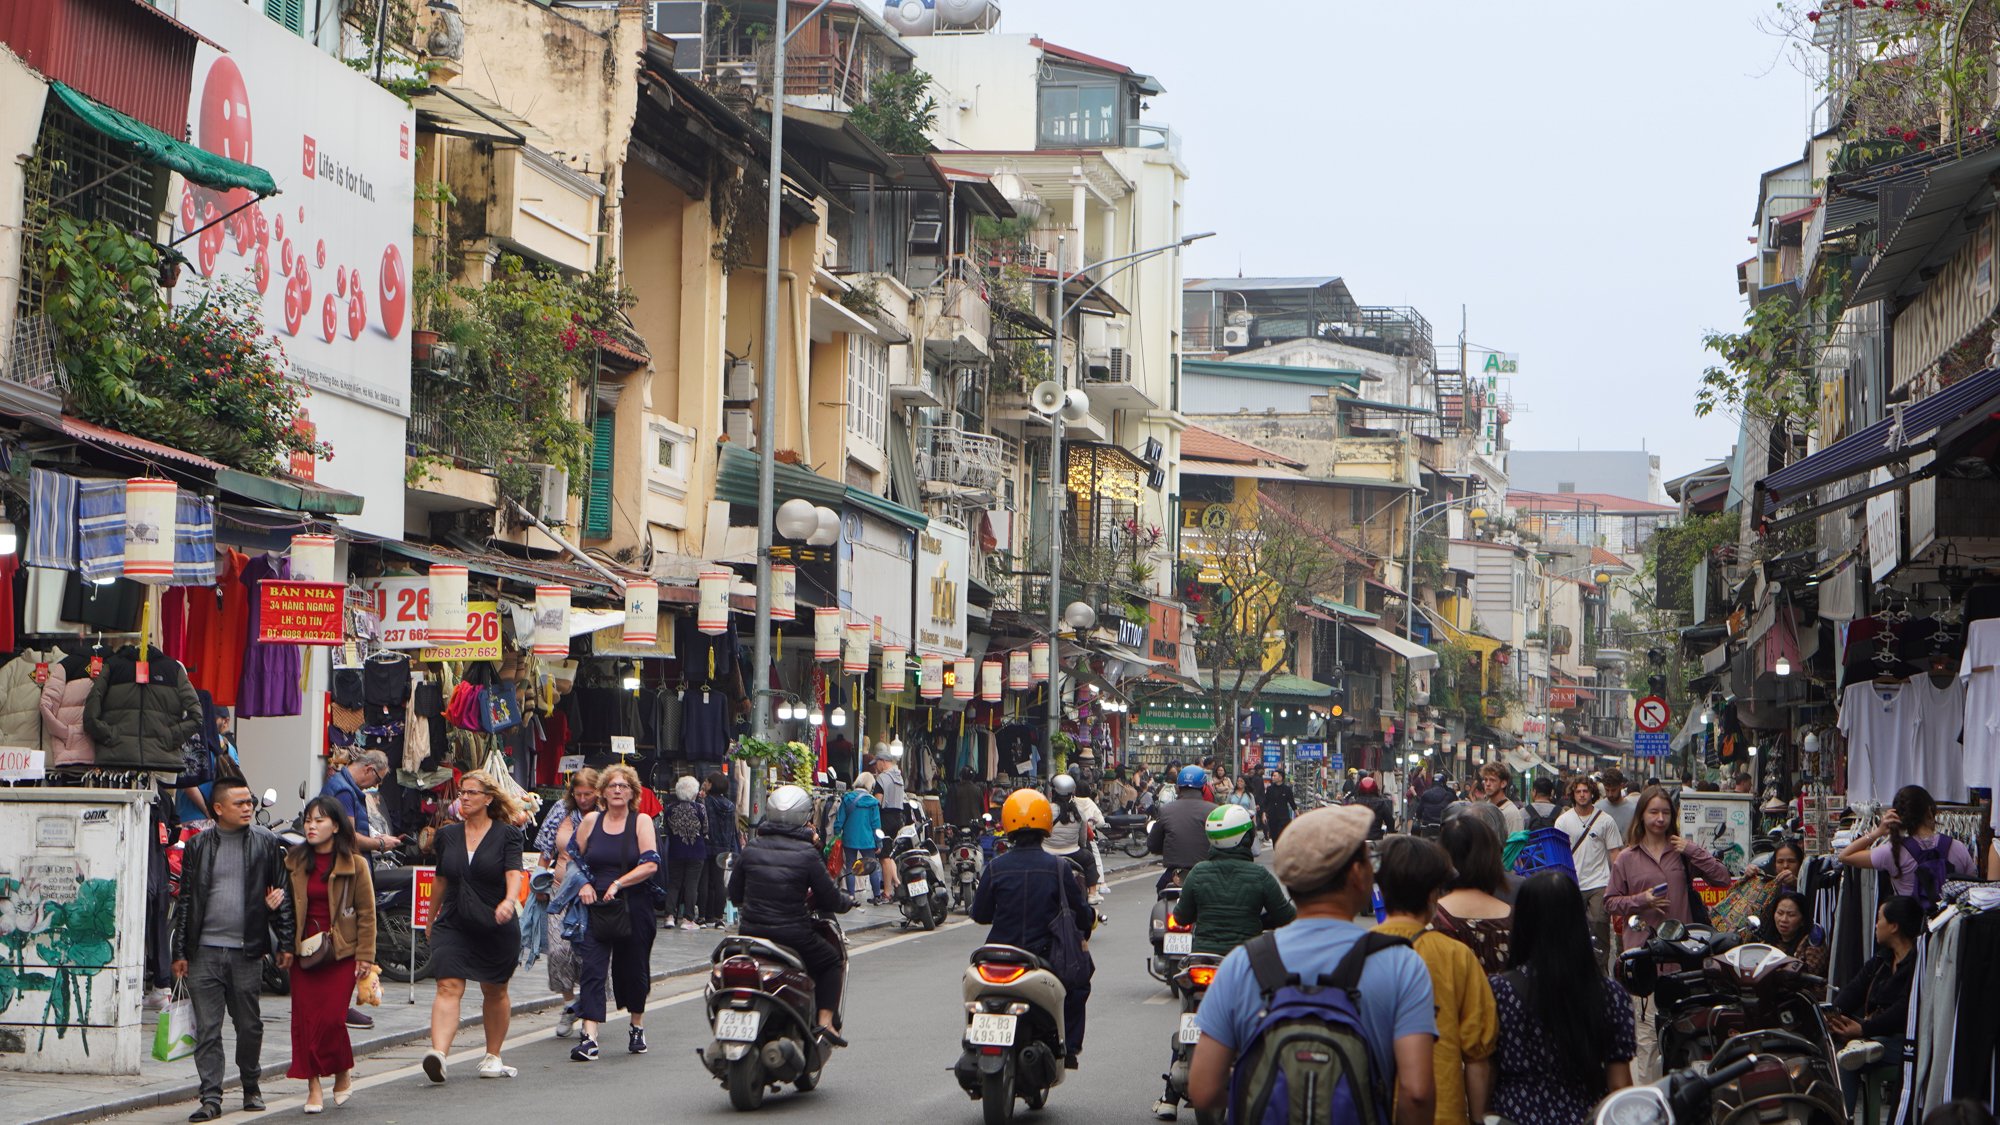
(572,549)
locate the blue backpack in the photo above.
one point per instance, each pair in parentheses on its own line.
(1307,1060)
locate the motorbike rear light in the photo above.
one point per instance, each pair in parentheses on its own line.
(992,1050)
(1001,974)
(740,972)
(1176,926)
(1202,975)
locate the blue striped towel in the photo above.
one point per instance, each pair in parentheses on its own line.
(100,523)
(51,520)
(194,540)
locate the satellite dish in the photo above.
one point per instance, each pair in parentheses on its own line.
(1076,405)
(1047,397)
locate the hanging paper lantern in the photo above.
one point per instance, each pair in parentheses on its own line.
(1038,661)
(551,621)
(1017,671)
(989,681)
(450,605)
(149,529)
(712,615)
(895,669)
(931,667)
(642,612)
(854,655)
(826,633)
(784,592)
(312,558)
(963,684)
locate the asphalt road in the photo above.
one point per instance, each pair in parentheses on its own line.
(903,1019)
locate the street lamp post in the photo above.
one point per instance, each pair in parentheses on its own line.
(1056,505)
(1420,518)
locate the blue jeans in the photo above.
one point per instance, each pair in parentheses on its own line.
(865,857)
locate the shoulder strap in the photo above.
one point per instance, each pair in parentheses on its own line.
(1347,975)
(1578,842)
(1268,966)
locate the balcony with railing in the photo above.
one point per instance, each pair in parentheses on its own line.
(960,460)
(430,430)
(958,315)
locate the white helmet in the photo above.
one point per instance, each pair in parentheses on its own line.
(1064,785)
(1228,825)
(788,806)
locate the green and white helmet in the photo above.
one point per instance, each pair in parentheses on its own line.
(1228,825)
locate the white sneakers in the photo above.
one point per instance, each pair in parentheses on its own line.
(1166,1110)
(492,1067)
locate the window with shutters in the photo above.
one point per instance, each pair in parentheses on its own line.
(868,389)
(597,502)
(289,14)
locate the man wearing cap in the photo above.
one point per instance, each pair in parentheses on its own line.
(1322,859)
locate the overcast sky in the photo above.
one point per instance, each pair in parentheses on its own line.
(1581,176)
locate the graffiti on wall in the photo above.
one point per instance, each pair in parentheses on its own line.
(56,936)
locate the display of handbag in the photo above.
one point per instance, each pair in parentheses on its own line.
(466,709)
(315,950)
(499,710)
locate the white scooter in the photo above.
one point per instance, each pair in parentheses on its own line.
(923,892)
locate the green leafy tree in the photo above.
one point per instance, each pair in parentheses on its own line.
(898,112)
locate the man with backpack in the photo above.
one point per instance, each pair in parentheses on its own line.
(1295,1009)
(1427,814)
(1542,808)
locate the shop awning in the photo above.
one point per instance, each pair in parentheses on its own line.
(288,494)
(1908,430)
(495,565)
(1284,684)
(1330,609)
(1419,657)
(202,167)
(1931,231)
(99,435)
(736,483)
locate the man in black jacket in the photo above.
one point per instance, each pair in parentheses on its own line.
(1179,835)
(1427,816)
(778,880)
(1022,895)
(233,906)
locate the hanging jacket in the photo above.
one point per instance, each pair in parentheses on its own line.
(21,700)
(63,698)
(141,726)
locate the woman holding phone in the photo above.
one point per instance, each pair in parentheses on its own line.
(1652,880)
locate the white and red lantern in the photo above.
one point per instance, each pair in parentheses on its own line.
(451,605)
(854,654)
(642,612)
(1038,662)
(784,592)
(712,614)
(963,679)
(1018,678)
(312,558)
(895,669)
(551,621)
(989,681)
(150,507)
(826,633)
(931,669)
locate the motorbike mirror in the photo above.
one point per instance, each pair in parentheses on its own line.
(270,798)
(1671,930)
(1753,921)
(1632,923)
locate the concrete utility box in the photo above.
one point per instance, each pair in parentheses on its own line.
(73,930)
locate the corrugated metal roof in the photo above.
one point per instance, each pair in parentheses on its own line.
(1255,284)
(1930,231)
(99,435)
(1890,439)
(1192,467)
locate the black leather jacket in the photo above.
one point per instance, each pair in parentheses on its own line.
(264,869)
(779,877)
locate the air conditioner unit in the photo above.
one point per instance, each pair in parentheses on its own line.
(1118,371)
(549,498)
(1235,335)
(739,383)
(736,423)
(831,259)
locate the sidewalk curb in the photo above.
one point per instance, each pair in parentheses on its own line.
(189,1090)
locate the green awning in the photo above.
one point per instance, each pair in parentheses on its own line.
(1283,684)
(736,483)
(289,495)
(198,165)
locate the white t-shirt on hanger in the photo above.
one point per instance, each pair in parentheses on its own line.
(1880,724)
(1979,672)
(1940,757)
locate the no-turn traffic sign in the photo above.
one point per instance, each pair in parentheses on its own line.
(1651,714)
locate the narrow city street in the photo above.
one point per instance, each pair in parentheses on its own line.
(903,1020)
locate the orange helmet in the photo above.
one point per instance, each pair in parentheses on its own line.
(1026,808)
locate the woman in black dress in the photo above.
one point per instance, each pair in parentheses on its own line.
(474,933)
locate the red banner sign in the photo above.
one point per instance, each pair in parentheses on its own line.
(423,903)
(1562,698)
(299,613)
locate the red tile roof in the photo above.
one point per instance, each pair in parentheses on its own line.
(1601,557)
(1079,56)
(1206,445)
(1595,502)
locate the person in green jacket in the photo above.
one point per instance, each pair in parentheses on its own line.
(1229,898)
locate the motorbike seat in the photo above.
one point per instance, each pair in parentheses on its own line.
(756,947)
(393,878)
(1007,955)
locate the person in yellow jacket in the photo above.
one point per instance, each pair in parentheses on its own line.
(1412,876)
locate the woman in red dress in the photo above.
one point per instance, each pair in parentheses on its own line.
(333,895)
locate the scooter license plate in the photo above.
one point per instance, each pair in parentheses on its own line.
(1177,944)
(737,1027)
(1190,1030)
(990,1029)
(919,888)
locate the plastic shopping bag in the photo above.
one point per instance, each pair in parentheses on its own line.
(173,1032)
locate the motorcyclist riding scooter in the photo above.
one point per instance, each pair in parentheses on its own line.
(777,882)
(1021,896)
(1179,835)
(1228,899)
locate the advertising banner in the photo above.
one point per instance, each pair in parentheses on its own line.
(941,573)
(300,613)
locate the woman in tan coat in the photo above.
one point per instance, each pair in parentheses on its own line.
(334,898)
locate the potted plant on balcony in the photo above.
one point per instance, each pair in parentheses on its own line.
(428,288)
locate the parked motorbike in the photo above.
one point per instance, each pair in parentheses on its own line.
(1171,940)
(277,981)
(1014,1039)
(1742,1000)
(402,950)
(765,1017)
(1126,831)
(1681,1097)
(923,893)
(1196,973)
(968,862)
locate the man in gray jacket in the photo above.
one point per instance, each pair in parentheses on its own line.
(1179,835)
(233,907)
